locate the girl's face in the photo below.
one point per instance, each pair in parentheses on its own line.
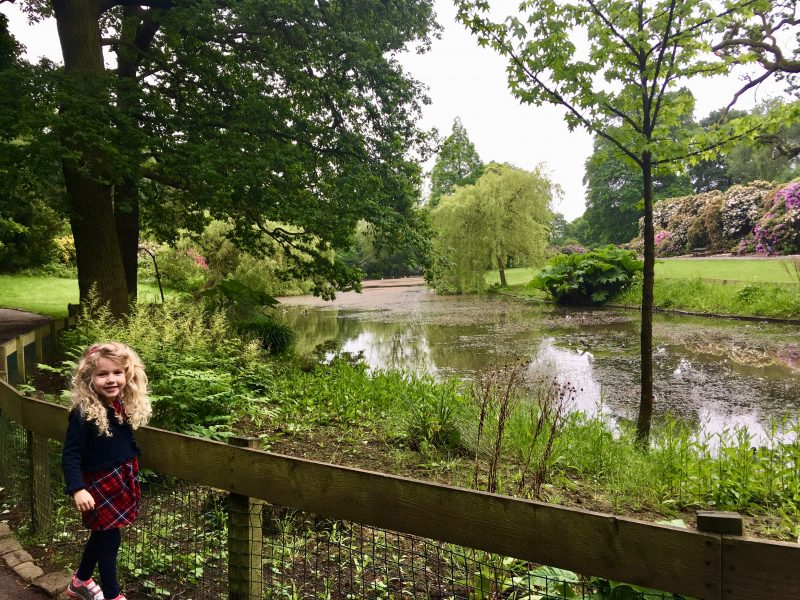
(108,379)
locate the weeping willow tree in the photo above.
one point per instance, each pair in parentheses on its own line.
(504,216)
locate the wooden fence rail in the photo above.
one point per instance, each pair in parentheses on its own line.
(695,563)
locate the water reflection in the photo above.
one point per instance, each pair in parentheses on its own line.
(714,373)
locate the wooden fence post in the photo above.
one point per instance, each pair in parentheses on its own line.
(3,364)
(39,349)
(724,523)
(53,339)
(245,541)
(20,360)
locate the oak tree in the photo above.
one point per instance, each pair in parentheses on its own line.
(289,120)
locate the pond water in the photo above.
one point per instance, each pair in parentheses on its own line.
(717,373)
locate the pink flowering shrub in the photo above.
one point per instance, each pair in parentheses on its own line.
(573,249)
(667,243)
(199,260)
(791,196)
(778,230)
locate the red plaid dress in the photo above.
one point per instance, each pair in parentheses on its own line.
(116,494)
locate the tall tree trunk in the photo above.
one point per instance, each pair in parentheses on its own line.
(502,270)
(137,33)
(126,216)
(646,400)
(89,193)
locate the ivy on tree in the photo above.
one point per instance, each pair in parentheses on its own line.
(290,121)
(457,164)
(624,85)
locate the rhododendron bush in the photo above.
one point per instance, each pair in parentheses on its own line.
(755,217)
(778,230)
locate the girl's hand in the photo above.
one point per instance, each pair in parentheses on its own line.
(83,500)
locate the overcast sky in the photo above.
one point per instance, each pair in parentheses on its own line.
(469,82)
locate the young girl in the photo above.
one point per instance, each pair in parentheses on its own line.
(100,458)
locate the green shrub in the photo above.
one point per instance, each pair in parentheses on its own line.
(181,269)
(274,336)
(202,376)
(589,278)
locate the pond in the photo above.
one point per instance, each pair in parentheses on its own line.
(716,373)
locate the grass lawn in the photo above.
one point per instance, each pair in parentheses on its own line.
(50,295)
(755,270)
(513,276)
(751,270)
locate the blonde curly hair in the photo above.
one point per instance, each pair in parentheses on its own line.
(134,398)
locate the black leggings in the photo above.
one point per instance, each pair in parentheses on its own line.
(101,550)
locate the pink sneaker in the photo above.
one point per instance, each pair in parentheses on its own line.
(87,590)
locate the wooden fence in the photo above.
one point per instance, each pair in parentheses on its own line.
(702,564)
(19,354)
(713,562)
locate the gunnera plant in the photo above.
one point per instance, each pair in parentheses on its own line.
(589,278)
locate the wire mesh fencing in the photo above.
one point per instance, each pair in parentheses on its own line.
(196,542)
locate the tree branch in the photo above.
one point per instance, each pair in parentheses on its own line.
(612,28)
(109,4)
(751,84)
(780,145)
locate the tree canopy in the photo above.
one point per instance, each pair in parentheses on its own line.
(624,84)
(505,214)
(768,157)
(614,200)
(291,121)
(456,164)
(30,181)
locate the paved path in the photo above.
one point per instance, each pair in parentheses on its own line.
(13,588)
(13,322)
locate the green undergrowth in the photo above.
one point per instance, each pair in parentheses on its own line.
(746,270)
(496,434)
(700,296)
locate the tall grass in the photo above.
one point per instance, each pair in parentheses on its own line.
(697,295)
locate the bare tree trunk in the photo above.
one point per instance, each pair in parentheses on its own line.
(646,400)
(502,270)
(89,193)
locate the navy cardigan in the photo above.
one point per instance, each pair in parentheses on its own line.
(86,450)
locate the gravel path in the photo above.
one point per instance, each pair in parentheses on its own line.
(13,322)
